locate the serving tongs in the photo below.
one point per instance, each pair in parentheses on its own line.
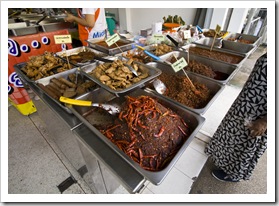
(238,38)
(112,109)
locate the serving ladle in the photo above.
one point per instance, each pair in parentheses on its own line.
(159,86)
(112,109)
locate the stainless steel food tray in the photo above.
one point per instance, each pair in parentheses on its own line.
(24,30)
(152,71)
(48,27)
(136,50)
(19,66)
(69,52)
(241,56)
(46,81)
(254,39)
(245,49)
(100,95)
(112,51)
(228,69)
(213,86)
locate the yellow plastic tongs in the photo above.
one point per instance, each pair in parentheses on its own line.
(112,109)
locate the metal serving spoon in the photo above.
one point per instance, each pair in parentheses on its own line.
(159,86)
(109,108)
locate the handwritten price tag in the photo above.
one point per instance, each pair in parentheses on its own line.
(111,40)
(218,29)
(62,39)
(187,34)
(180,64)
(158,38)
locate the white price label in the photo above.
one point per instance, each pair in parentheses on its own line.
(62,39)
(111,40)
(187,34)
(180,64)
(158,38)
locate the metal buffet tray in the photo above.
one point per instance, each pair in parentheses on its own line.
(241,56)
(150,48)
(46,81)
(19,66)
(100,95)
(153,73)
(111,51)
(228,69)
(245,49)
(213,86)
(254,39)
(24,30)
(64,54)
(48,27)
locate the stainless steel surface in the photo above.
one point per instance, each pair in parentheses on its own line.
(19,66)
(218,66)
(254,39)
(213,86)
(46,81)
(243,57)
(131,179)
(112,51)
(194,121)
(245,49)
(138,51)
(153,73)
(159,86)
(25,30)
(69,52)
(48,27)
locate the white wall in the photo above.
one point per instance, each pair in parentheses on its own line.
(142,18)
(218,17)
(237,19)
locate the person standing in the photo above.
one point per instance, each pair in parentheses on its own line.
(91,23)
(241,138)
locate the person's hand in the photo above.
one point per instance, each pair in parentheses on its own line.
(258,127)
(69,17)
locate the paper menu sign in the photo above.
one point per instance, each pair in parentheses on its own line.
(218,29)
(187,34)
(113,39)
(62,39)
(158,38)
(179,64)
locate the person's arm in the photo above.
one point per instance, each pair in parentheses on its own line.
(89,20)
(258,127)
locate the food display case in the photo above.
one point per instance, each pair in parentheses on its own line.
(228,57)
(91,117)
(245,49)
(245,38)
(213,87)
(84,122)
(22,31)
(101,45)
(223,72)
(151,73)
(81,56)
